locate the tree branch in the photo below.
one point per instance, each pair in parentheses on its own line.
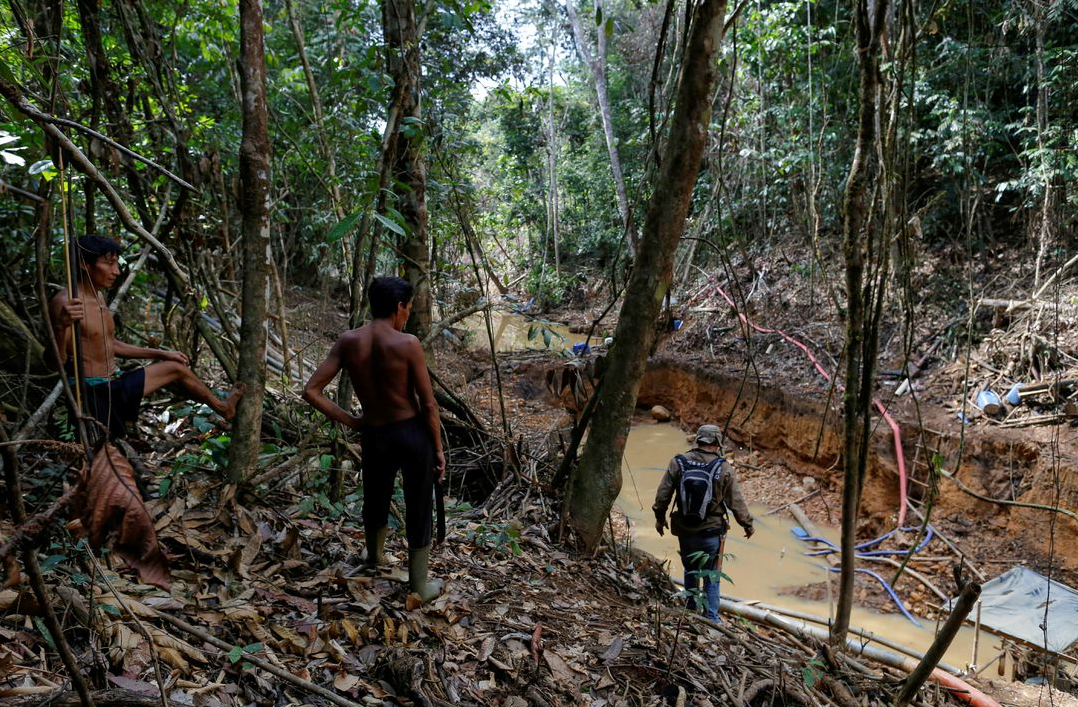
(126,150)
(14,96)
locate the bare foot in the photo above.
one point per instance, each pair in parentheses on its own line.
(232,400)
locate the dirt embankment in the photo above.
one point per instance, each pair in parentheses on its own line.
(797,427)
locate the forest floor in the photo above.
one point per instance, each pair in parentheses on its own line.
(274,572)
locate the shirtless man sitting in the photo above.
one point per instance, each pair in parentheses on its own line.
(111,396)
(399,423)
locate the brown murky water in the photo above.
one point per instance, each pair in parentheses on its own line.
(511,333)
(771,561)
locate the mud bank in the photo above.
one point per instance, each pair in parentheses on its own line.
(802,427)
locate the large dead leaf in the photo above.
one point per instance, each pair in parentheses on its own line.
(109,505)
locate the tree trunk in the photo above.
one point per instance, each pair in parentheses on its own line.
(597,481)
(409,167)
(860,229)
(597,66)
(552,167)
(316,105)
(254,213)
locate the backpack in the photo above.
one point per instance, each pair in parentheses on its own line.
(696,487)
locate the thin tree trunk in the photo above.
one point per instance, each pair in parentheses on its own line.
(860,230)
(1043,227)
(409,167)
(552,164)
(254,211)
(597,66)
(316,105)
(597,481)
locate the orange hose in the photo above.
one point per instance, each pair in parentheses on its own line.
(962,690)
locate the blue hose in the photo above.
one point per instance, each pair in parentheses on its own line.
(890,591)
(870,543)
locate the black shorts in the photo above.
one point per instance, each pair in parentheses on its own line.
(115,402)
(404,445)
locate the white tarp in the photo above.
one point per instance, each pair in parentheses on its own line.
(1014,602)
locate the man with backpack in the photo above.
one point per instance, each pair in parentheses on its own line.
(704,488)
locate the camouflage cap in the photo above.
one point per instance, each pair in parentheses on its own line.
(708,434)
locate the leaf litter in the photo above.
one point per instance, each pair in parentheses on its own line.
(266,582)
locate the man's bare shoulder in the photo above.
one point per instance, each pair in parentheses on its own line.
(352,337)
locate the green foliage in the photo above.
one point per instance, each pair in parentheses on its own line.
(812,671)
(495,536)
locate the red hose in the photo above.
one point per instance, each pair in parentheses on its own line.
(899,456)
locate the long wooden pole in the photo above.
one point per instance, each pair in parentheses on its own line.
(71,262)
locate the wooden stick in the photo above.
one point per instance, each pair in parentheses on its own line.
(27,534)
(971,591)
(299,682)
(784,506)
(138,622)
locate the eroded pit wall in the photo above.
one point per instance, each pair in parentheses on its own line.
(802,427)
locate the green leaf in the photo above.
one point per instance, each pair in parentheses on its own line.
(44,631)
(235,654)
(609,28)
(391,225)
(111,610)
(164,486)
(342,227)
(598,16)
(252,648)
(51,562)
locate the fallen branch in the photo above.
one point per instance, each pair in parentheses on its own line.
(29,559)
(971,591)
(784,506)
(103,698)
(299,682)
(163,692)
(28,533)
(441,326)
(1057,273)
(1000,501)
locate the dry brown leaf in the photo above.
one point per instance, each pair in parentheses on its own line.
(351,631)
(7,598)
(562,671)
(109,505)
(290,640)
(345,681)
(243,557)
(485,649)
(12,577)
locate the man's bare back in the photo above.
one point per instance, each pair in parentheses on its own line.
(377,359)
(388,371)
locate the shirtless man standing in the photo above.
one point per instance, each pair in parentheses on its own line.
(399,423)
(110,395)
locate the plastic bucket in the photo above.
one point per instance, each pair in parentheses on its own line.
(989,402)
(1012,395)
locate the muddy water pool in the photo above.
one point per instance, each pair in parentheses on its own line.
(511,333)
(773,560)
